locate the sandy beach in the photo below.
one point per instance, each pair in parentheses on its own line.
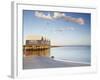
(38,62)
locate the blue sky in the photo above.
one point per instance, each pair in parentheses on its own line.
(61,28)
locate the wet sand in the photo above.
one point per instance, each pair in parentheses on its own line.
(38,62)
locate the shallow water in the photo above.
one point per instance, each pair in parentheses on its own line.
(77,54)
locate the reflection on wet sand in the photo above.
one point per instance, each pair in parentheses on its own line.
(44,52)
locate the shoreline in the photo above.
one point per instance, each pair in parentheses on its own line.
(38,62)
(71,61)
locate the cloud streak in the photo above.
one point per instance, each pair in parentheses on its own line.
(65,29)
(59,15)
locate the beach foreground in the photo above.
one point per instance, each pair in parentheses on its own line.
(39,62)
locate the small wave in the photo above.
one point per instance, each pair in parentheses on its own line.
(65,60)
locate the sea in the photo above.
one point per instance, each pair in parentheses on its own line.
(78,54)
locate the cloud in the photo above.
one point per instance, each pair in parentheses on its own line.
(42,15)
(59,15)
(81,21)
(75,20)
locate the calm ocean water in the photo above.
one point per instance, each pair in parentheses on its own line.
(77,54)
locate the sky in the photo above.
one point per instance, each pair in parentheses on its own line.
(61,28)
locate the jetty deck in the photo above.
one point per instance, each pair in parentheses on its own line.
(38,62)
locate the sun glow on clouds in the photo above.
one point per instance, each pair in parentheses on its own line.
(59,15)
